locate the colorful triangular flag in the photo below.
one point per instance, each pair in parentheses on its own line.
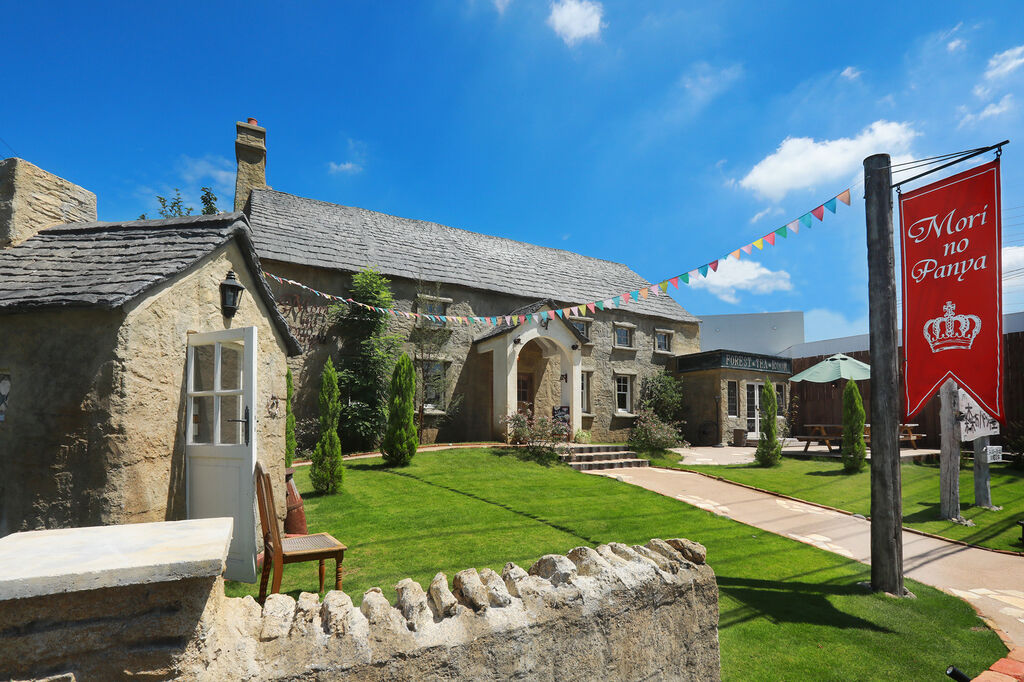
(735,254)
(770,238)
(591,307)
(664,286)
(806,219)
(703,270)
(685,277)
(844,197)
(746,249)
(831,204)
(782,232)
(819,212)
(794,227)
(599,304)
(759,243)
(714,266)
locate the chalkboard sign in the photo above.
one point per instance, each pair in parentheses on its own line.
(560,414)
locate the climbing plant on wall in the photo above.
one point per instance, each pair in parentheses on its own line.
(368,354)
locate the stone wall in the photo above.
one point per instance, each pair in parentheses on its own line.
(306,314)
(615,612)
(32,199)
(94,432)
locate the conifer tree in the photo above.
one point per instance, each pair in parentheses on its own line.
(289,421)
(400,440)
(853,449)
(326,471)
(769,449)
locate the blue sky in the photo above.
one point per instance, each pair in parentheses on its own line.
(658,134)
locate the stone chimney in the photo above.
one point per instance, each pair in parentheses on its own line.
(251,154)
(32,199)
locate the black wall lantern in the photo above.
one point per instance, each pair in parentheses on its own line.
(230,294)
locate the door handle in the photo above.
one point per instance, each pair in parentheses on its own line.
(243,421)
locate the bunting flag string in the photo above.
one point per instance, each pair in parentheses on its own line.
(637,295)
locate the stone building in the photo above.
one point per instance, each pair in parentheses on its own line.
(589,366)
(131,392)
(725,388)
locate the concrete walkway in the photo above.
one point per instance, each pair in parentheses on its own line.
(730,454)
(992,582)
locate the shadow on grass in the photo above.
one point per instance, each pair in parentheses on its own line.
(532,517)
(791,602)
(829,472)
(545,458)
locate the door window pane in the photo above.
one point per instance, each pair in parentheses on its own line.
(585,391)
(202,368)
(230,367)
(733,399)
(202,419)
(231,431)
(752,405)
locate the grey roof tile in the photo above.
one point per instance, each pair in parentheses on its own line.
(320,234)
(106,265)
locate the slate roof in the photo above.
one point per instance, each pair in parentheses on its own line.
(320,234)
(502,328)
(106,265)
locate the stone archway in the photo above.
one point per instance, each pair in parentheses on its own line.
(559,349)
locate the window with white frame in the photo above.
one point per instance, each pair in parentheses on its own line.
(733,399)
(663,340)
(780,397)
(623,393)
(433,372)
(623,336)
(585,382)
(432,305)
(582,325)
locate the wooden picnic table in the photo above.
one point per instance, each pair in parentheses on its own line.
(826,433)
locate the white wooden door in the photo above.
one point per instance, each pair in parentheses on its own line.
(220,438)
(754,409)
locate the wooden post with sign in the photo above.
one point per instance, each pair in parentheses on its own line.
(982,488)
(886,502)
(949,454)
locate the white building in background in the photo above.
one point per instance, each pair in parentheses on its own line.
(764,333)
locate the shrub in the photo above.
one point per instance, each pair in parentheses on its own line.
(540,437)
(650,433)
(853,450)
(769,449)
(400,440)
(326,472)
(663,394)
(289,422)
(582,436)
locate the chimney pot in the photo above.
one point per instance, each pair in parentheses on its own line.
(252,121)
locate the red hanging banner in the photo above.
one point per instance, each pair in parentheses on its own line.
(950,235)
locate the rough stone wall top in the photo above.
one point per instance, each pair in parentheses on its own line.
(32,199)
(309,232)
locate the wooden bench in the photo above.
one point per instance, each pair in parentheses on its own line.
(824,434)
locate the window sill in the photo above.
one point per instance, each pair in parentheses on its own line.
(663,352)
(624,415)
(587,415)
(432,412)
(632,348)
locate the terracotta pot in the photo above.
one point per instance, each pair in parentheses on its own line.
(295,520)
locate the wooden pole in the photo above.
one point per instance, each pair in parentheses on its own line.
(982,489)
(886,503)
(949,457)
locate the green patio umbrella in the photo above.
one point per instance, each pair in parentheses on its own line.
(838,366)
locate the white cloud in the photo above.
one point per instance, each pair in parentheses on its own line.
(502,5)
(354,166)
(1013,257)
(956,45)
(1005,63)
(734,276)
(821,323)
(804,163)
(850,73)
(704,82)
(771,210)
(993,109)
(576,20)
(219,171)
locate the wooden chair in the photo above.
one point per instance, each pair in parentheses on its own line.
(278,551)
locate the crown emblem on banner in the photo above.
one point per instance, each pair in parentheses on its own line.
(951,331)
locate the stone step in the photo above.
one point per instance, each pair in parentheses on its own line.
(609,464)
(597,456)
(582,449)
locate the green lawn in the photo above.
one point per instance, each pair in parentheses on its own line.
(825,483)
(788,610)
